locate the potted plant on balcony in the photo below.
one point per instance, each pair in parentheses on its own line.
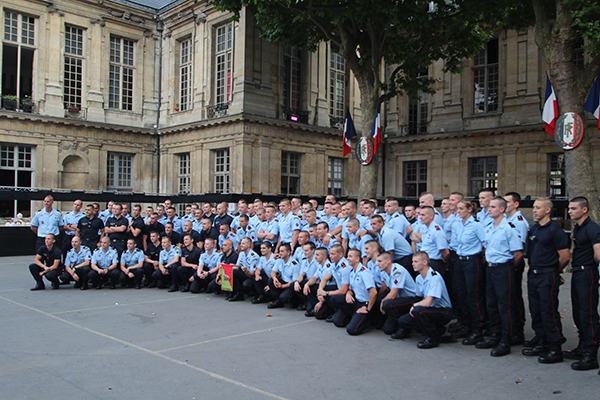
(9,102)
(27,104)
(73,108)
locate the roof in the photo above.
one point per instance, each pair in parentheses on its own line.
(152,6)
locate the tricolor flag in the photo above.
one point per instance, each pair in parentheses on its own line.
(376,131)
(550,112)
(593,101)
(349,133)
(227,277)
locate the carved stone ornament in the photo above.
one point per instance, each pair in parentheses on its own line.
(51,10)
(74,146)
(200,19)
(181,15)
(95,21)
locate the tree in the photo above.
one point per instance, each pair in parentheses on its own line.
(559,27)
(370,34)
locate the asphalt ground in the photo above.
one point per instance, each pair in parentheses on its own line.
(150,344)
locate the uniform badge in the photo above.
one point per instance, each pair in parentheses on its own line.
(433,273)
(396,281)
(520,218)
(437,228)
(362,269)
(343,265)
(512,225)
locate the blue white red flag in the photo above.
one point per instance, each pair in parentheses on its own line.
(349,133)
(593,101)
(550,111)
(376,131)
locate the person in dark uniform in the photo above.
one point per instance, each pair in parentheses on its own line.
(105,265)
(132,262)
(151,257)
(187,230)
(190,259)
(47,263)
(136,227)
(222,217)
(173,236)
(77,264)
(208,231)
(584,286)
(116,229)
(152,226)
(548,254)
(89,228)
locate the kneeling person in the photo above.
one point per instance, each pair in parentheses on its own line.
(47,263)
(77,264)
(243,270)
(104,265)
(132,261)
(167,265)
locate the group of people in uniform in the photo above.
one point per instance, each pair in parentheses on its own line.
(351,265)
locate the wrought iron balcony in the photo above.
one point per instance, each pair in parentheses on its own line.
(218,110)
(295,114)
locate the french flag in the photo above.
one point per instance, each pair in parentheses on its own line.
(376,131)
(349,133)
(550,112)
(593,101)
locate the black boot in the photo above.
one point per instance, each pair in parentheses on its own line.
(489,342)
(577,353)
(588,361)
(474,338)
(538,350)
(554,355)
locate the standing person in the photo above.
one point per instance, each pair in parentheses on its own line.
(105,261)
(151,257)
(116,229)
(90,228)
(136,227)
(584,286)
(47,263)
(70,227)
(434,242)
(289,225)
(503,249)
(548,254)
(222,217)
(46,221)
(77,264)
(485,197)
(132,262)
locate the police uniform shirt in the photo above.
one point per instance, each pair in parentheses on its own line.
(47,222)
(236,221)
(333,221)
(585,236)
(298,254)
(372,265)
(521,224)
(74,258)
(71,218)
(163,219)
(309,267)
(49,256)
(434,241)
(132,258)
(197,225)
(418,226)
(210,260)
(254,222)
(468,237)
(167,255)
(501,242)
(365,223)
(266,265)
(104,215)
(448,223)
(391,240)
(191,256)
(361,281)
(128,217)
(270,227)
(153,252)
(230,236)
(340,272)
(287,269)
(322,270)
(104,260)
(89,228)
(177,223)
(249,260)
(543,244)
(113,222)
(361,241)
(397,222)
(433,285)
(332,242)
(249,232)
(438,218)
(226,219)
(287,225)
(400,279)
(483,216)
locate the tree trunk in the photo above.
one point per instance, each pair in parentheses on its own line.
(369,174)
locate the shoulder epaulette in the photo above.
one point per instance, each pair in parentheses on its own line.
(433,273)
(520,218)
(294,262)
(362,269)
(343,265)
(511,225)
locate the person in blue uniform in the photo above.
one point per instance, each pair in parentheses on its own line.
(548,254)
(485,197)
(226,234)
(584,286)
(263,272)
(132,262)
(435,243)
(70,225)
(46,221)
(308,268)
(167,265)
(434,311)
(244,269)
(355,307)
(282,277)
(208,266)
(503,249)
(47,263)
(190,261)
(312,285)
(77,264)
(289,225)
(89,228)
(392,242)
(105,262)
(339,273)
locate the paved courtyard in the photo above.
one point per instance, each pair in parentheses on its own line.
(150,344)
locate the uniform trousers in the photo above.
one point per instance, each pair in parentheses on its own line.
(469,287)
(201,283)
(346,315)
(519,304)
(81,272)
(184,274)
(326,308)
(52,276)
(66,244)
(542,290)
(284,295)
(394,309)
(148,271)
(259,285)
(499,299)
(429,320)
(164,280)
(97,279)
(239,278)
(91,243)
(138,274)
(584,296)
(118,245)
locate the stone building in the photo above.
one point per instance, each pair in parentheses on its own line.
(163,96)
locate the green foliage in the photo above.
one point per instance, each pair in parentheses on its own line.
(586,16)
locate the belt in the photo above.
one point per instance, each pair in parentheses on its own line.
(499,264)
(583,267)
(117,240)
(467,258)
(542,270)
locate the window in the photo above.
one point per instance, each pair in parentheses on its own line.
(335,176)
(337,85)
(485,79)
(185,70)
(119,173)
(121,74)
(184,173)
(222,171)
(16,170)
(579,54)
(224,55)
(17,61)
(483,174)
(73,67)
(290,173)
(291,78)
(557,180)
(415,178)
(417,112)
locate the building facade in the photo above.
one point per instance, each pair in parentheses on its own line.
(176,97)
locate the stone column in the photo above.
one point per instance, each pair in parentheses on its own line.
(95,71)
(54,90)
